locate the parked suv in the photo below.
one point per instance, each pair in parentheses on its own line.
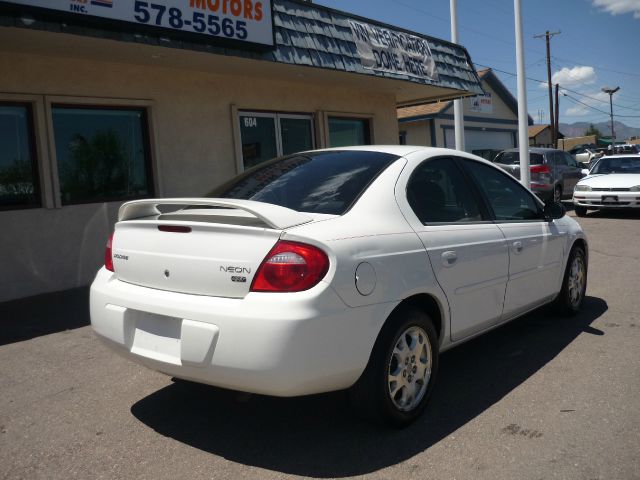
(553,173)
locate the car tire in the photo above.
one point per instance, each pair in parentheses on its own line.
(397,382)
(574,283)
(557,194)
(580,211)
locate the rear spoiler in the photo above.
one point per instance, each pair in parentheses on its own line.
(275,216)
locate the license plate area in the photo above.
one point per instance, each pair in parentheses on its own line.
(609,199)
(156,336)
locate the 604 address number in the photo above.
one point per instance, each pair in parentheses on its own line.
(199,22)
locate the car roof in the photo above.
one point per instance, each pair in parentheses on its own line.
(400,150)
(410,152)
(535,150)
(622,155)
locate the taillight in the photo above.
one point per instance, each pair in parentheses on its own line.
(108,259)
(539,169)
(540,174)
(291,267)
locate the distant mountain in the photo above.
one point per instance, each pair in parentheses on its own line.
(577,129)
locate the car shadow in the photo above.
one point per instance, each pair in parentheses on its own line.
(320,436)
(31,317)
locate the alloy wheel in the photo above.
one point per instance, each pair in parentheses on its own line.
(576,280)
(409,369)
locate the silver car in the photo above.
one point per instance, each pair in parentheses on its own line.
(553,173)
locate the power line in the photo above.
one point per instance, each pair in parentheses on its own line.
(597,109)
(585,104)
(600,67)
(587,85)
(511,73)
(466,27)
(564,89)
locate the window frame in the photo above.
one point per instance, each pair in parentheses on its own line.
(276,115)
(104,104)
(486,201)
(33,152)
(362,118)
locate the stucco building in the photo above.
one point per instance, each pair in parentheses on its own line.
(102,101)
(490,120)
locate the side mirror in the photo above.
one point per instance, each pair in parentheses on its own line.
(584,172)
(554,210)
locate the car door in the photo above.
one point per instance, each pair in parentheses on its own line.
(573,173)
(467,251)
(536,246)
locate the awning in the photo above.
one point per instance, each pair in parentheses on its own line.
(306,35)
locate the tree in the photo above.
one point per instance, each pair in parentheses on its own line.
(592,130)
(98,167)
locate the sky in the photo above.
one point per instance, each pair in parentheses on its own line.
(597,47)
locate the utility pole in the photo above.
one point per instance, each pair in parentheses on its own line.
(556,121)
(458,113)
(547,35)
(611,91)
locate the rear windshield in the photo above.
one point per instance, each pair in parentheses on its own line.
(322,182)
(513,158)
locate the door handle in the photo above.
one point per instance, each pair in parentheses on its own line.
(517,247)
(449,258)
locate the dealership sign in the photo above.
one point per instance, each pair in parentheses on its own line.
(385,50)
(481,104)
(240,20)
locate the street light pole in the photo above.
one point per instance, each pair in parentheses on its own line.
(458,113)
(611,91)
(523,117)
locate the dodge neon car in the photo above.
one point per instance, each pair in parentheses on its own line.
(334,269)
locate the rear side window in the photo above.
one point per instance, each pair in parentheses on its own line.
(560,158)
(323,182)
(438,192)
(513,158)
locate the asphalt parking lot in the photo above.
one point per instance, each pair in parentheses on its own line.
(543,397)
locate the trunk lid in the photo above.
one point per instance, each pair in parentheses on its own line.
(204,247)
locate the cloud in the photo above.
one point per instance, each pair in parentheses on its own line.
(571,77)
(619,7)
(579,110)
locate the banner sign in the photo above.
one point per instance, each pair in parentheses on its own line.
(385,50)
(481,103)
(240,20)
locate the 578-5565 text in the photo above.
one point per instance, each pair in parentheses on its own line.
(155,14)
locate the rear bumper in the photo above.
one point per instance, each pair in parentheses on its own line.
(601,200)
(307,342)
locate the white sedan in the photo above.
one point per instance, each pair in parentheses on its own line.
(334,269)
(613,182)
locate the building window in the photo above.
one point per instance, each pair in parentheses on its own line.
(268,135)
(102,153)
(19,182)
(345,132)
(403,138)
